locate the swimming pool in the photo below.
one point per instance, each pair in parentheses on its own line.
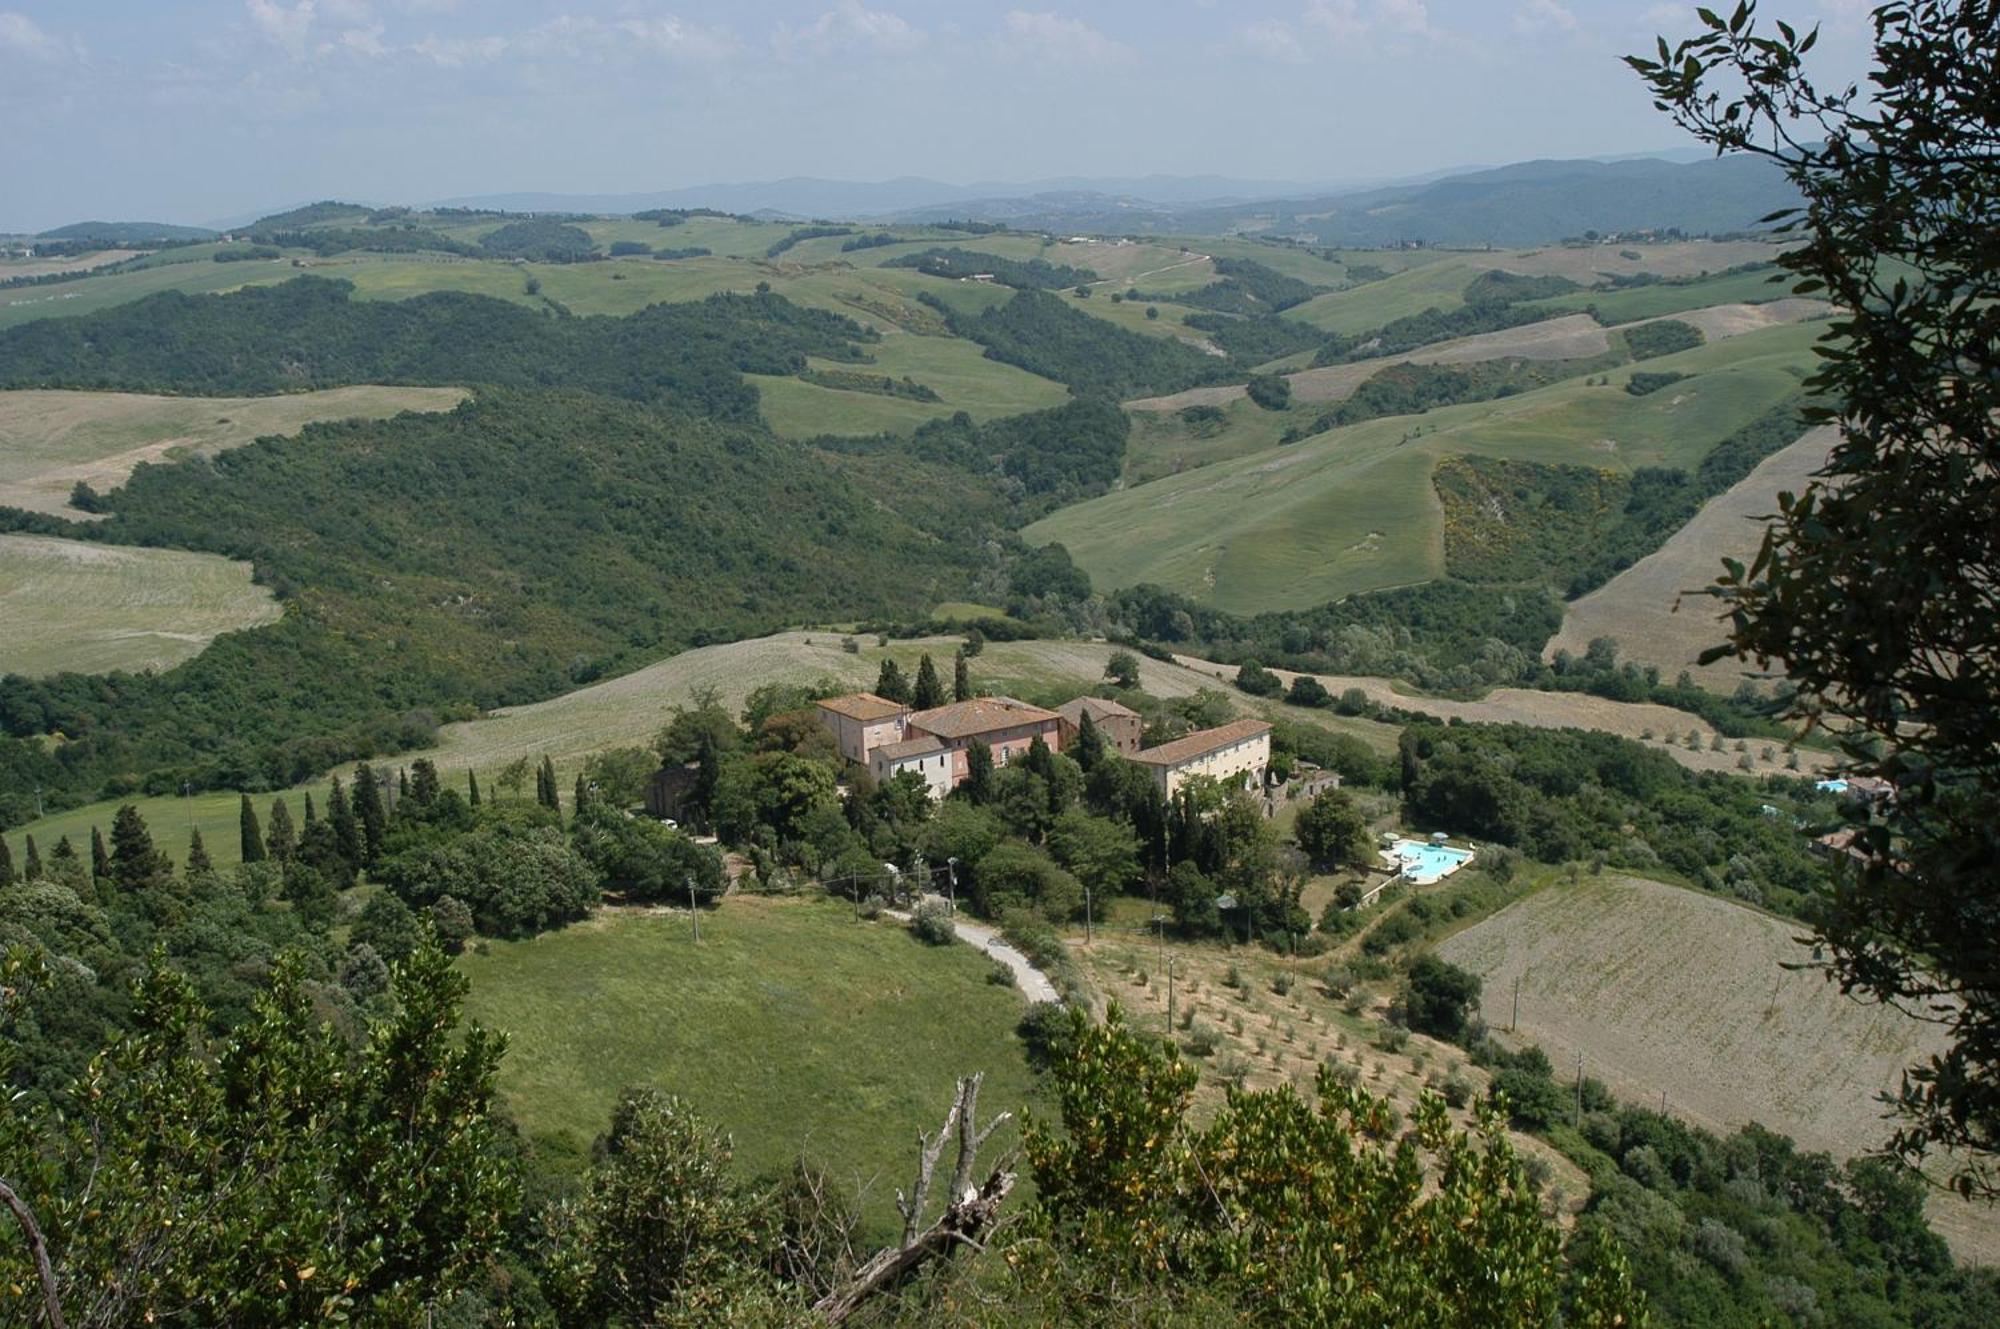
(1422,864)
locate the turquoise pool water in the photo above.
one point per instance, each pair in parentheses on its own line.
(1425,863)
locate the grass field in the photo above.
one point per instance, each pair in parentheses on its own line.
(791,1025)
(958,371)
(91,608)
(1657,301)
(1352,509)
(1663,990)
(55,439)
(1646,607)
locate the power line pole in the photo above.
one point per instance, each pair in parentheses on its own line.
(693,913)
(1515,1023)
(1578,1123)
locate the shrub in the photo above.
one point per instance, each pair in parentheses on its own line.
(932,924)
(1273,392)
(1201,1041)
(1258,681)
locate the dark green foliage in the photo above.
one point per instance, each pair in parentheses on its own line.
(1440,634)
(1308,691)
(308,333)
(1873,591)
(136,863)
(514,870)
(246,253)
(312,214)
(1258,681)
(514,548)
(327,241)
(280,841)
(879,240)
(1567,794)
(1645,383)
(1493,302)
(1662,337)
(1273,392)
(1027,275)
(854,380)
(1037,332)
(803,233)
(645,862)
(1439,998)
(928,691)
(961,678)
(692,251)
(1247,287)
(1576,527)
(1047,573)
(100,857)
(890,683)
(250,836)
(1332,832)
(1253,340)
(1495,287)
(629,249)
(1049,458)
(538,240)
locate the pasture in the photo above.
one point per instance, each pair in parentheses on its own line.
(49,441)
(1353,510)
(72,605)
(1648,608)
(792,1026)
(961,375)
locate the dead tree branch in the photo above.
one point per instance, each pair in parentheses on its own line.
(38,1248)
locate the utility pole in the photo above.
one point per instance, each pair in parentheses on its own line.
(1579,1092)
(1515,1023)
(951,866)
(1086,916)
(693,913)
(1170,998)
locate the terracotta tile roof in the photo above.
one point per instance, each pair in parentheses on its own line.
(924,745)
(863,706)
(1201,743)
(1098,707)
(981,715)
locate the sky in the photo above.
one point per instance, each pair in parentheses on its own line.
(202,110)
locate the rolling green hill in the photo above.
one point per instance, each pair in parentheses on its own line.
(1353,509)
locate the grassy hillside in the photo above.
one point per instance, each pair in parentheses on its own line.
(801,1029)
(1645,607)
(962,377)
(1353,510)
(72,605)
(55,439)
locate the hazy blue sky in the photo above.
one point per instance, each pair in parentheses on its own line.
(190,110)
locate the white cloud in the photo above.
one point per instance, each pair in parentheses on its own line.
(851,26)
(362,41)
(21,35)
(1350,22)
(1273,39)
(680,40)
(286,28)
(1047,37)
(1543,16)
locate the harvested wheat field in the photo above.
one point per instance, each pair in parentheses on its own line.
(49,441)
(1661,989)
(72,605)
(1646,608)
(1658,726)
(47,267)
(1590,264)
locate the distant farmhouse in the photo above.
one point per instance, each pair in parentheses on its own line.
(889,738)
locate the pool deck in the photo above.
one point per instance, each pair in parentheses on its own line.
(1414,868)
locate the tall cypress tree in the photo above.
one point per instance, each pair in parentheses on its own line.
(890,682)
(424,787)
(700,798)
(929,691)
(198,860)
(580,797)
(100,858)
(346,827)
(548,786)
(368,810)
(64,852)
(1089,743)
(281,841)
(6,863)
(472,788)
(961,679)
(978,771)
(249,833)
(402,782)
(136,862)
(312,816)
(31,861)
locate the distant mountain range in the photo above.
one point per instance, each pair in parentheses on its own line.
(1527,203)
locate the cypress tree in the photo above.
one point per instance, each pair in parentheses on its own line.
(978,771)
(548,786)
(198,860)
(961,679)
(424,782)
(31,861)
(307,822)
(64,852)
(281,841)
(1089,743)
(136,863)
(6,863)
(891,684)
(368,810)
(402,783)
(251,834)
(100,860)
(580,798)
(346,829)
(472,788)
(929,691)
(708,773)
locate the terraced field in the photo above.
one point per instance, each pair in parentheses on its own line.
(1352,509)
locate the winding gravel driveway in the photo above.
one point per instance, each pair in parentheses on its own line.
(1034,984)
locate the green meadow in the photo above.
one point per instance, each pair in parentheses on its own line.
(1352,510)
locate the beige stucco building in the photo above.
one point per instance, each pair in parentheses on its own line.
(862,722)
(1236,754)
